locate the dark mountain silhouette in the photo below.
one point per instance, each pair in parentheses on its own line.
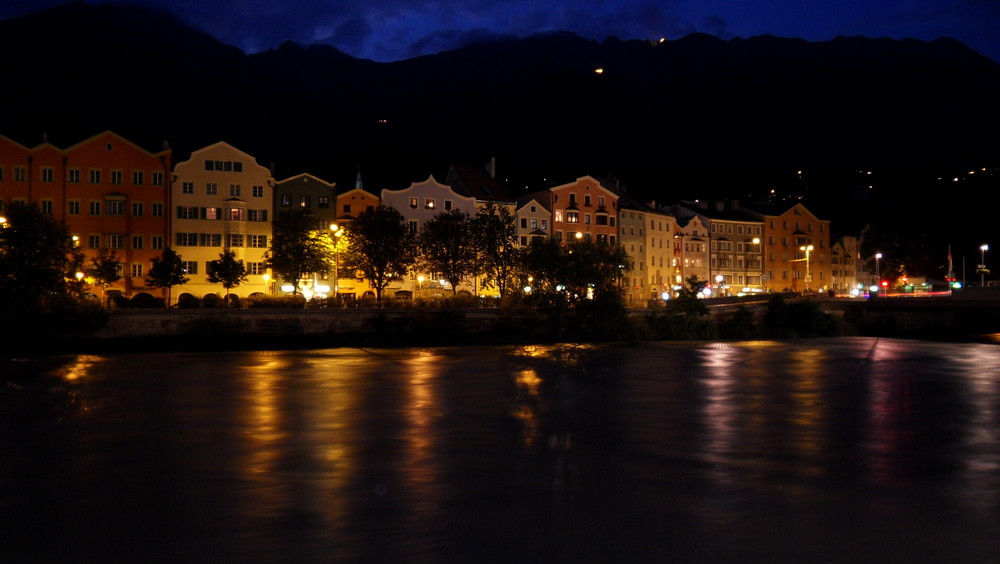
(696,117)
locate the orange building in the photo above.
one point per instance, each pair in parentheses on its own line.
(583,209)
(797,249)
(110,193)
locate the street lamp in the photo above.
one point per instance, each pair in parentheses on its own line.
(878,273)
(982,266)
(337,232)
(808,249)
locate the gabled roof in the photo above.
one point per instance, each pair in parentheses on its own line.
(307,176)
(476,182)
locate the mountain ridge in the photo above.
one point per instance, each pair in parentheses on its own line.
(694,117)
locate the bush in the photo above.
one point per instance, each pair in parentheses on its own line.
(186,300)
(287,302)
(212,300)
(145,300)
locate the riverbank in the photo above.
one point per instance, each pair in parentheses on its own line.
(143,330)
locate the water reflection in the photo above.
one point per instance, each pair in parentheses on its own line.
(828,450)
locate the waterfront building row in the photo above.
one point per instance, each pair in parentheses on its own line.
(115,195)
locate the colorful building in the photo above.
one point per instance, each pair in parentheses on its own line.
(222,200)
(110,193)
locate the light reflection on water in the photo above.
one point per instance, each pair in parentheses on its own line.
(860,449)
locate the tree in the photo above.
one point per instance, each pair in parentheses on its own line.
(167,271)
(228,271)
(496,243)
(380,246)
(299,247)
(687,302)
(105,268)
(448,246)
(36,255)
(575,271)
(592,269)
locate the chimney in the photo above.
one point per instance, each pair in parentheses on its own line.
(491,167)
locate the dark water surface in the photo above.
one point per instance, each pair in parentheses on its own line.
(846,450)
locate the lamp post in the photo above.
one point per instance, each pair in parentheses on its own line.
(808,249)
(878,273)
(982,265)
(337,232)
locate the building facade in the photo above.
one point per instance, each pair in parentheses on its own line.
(110,193)
(222,200)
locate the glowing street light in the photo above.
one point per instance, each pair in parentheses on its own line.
(982,265)
(878,273)
(808,249)
(337,232)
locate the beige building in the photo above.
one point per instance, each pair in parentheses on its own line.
(845,278)
(222,199)
(647,235)
(418,203)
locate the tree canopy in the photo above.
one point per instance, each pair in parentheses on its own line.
(496,240)
(37,255)
(228,271)
(380,246)
(448,247)
(299,246)
(167,271)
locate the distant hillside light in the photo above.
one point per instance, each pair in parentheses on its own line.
(599,70)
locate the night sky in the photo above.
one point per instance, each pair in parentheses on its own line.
(388,30)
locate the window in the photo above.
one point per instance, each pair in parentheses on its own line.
(429,203)
(156,242)
(136,270)
(115,241)
(586,200)
(93,241)
(413,203)
(48,174)
(258,241)
(286,200)
(47,206)
(137,242)
(187,188)
(73,176)
(447,204)
(189,266)
(157,178)
(95,207)
(211,189)
(157,209)
(235,190)
(347,208)
(236,214)
(224,166)
(210,239)
(586,218)
(187,212)
(305,201)
(600,201)
(558,216)
(256,215)
(138,178)
(116,207)
(116,177)
(257,191)
(20,174)
(187,239)
(211,213)
(234,239)
(255,268)
(1,174)
(73,207)
(524,223)
(572,217)
(323,202)
(137,209)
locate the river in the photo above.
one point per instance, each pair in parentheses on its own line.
(853,449)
